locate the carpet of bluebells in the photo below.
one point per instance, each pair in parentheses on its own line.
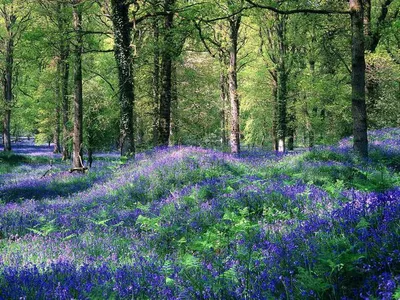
(193,223)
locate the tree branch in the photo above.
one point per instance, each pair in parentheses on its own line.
(299,11)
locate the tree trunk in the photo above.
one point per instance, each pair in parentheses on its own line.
(281,109)
(310,129)
(90,156)
(223,99)
(166,71)
(63,77)
(174,130)
(8,77)
(282,88)
(124,60)
(57,129)
(234,23)
(274,76)
(78,97)
(291,128)
(358,79)
(156,81)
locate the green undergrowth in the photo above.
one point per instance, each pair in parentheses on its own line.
(9,161)
(335,171)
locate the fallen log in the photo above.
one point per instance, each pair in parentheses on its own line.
(81,170)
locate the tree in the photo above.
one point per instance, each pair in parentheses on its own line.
(124,59)
(78,95)
(228,48)
(166,73)
(359,113)
(58,14)
(14,24)
(359,109)
(234,26)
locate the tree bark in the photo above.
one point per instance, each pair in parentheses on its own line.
(166,71)
(78,96)
(10,20)
(274,76)
(234,25)
(282,78)
(223,99)
(124,60)
(57,127)
(358,79)
(63,75)
(291,128)
(156,81)
(174,128)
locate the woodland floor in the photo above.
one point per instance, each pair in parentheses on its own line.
(194,223)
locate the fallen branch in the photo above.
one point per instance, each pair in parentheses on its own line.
(82,170)
(51,167)
(44,175)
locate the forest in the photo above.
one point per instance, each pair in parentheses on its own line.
(200,149)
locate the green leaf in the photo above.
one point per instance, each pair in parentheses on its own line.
(363,224)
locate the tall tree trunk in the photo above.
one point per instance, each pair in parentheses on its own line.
(156,81)
(274,76)
(234,23)
(8,77)
(291,128)
(223,99)
(174,130)
(358,79)
(78,96)
(282,77)
(281,108)
(166,71)
(63,77)
(124,60)
(57,127)
(310,129)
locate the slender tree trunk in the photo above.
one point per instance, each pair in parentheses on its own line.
(57,129)
(223,99)
(358,79)
(310,129)
(281,108)
(6,130)
(291,128)
(232,82)
(156,81)
(282,78)
(64,77)
(78,96)
(274,76)
(166,71)
(124,60)
(8,77)
(90,156)
(174,128)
